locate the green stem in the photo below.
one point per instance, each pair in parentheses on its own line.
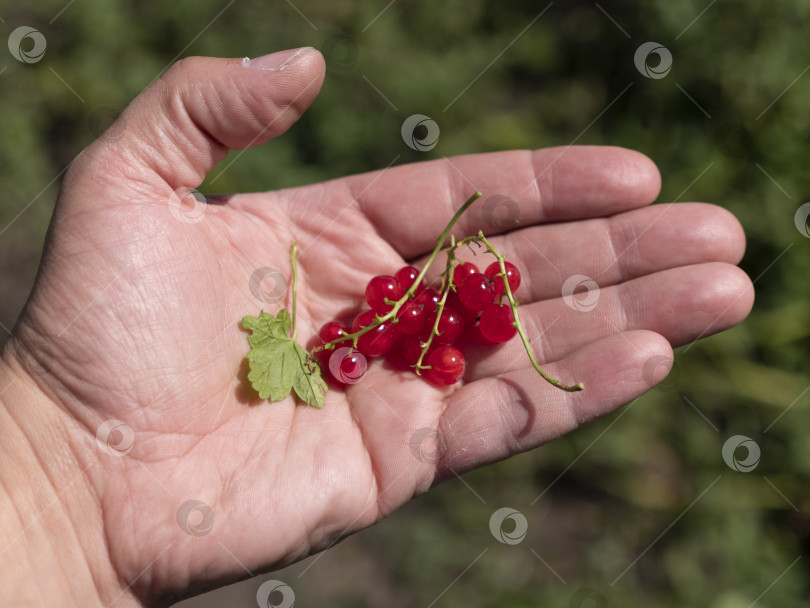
(442,238)
(451,267)
(293,251)
(570,388)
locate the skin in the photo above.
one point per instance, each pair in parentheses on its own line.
(135,317)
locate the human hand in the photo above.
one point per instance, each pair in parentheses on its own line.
(136,317)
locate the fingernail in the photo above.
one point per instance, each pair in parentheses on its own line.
(276,61)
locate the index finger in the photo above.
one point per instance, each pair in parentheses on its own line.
(410,205)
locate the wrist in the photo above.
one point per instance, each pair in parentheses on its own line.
(52,542)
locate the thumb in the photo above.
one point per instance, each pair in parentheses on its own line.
(177,129)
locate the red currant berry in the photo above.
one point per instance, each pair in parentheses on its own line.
(410,318)
(496,323)
(464,270)
(377,341)
(512,275)
(347,365)
(428,300)
(476,292)
(469,316)
(451,326)
(446,365)
(362,320)
(380,288)
(406,276)
(332,331)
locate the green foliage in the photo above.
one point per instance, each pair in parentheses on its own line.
(728,125)
(278,364)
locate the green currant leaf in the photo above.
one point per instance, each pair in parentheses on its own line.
(278,364)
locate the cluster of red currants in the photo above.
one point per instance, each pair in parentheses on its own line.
(478,299)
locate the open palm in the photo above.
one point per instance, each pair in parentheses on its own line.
(136,316)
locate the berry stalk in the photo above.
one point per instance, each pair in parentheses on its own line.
(293,252)
(440,308)
(513,304)
(440,241)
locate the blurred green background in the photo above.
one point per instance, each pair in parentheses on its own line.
(728,124)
